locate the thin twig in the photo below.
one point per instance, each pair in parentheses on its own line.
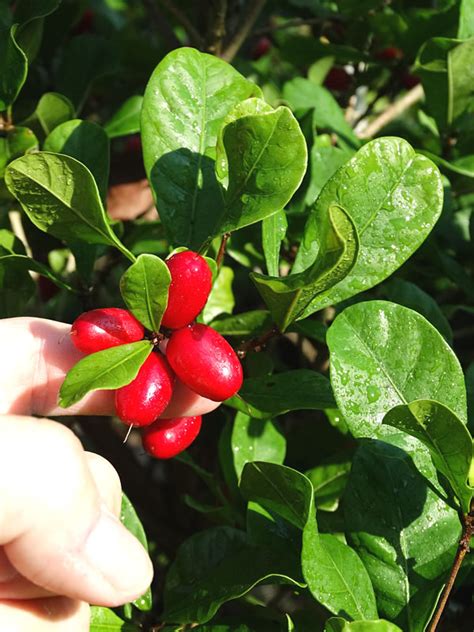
(217,27)
(254,9)
(221,253)
(294,22)
(193,34)
(463,549)
(161,24)
(393,111)
(257,344)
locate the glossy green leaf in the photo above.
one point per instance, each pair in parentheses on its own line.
(105,370)
(303,94)
(279,489)
(445,436)
(105,620)
(274,395)
(267,159)
(329,481)
(51,110)
(60,196)
(14,143)
(383,355)
(13,68)
(186,100)
(221,299)
(144,288)
(410,295)
(466,19)
(314,329)
(22,262)
(86,142)
(126,119)
(273,233)
(337,624)
(402,529)
(130,519)
(394,198)
(247,324)
(296,296)
(337,577)
(325,160)
(30,16)
(215,566)
(256,440)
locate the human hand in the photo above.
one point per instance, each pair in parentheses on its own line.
(61,543)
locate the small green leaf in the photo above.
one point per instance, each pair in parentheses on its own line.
(256,440)
(86,142)
(186,100)
(267,159)
(329,481)
(273,395)
(14,143)
(383,355)
(296,296)
(273,233)
(393,196)
(247,324)
(22,262)
(337,577)
(30,16)
(52,110)
(325,160)
(13,68)
(109,369)
(105,620)
(60,196)
(337,624)
(144,288)
(131,521)
(221,299)
(126,119)
(445,436)
(466,20)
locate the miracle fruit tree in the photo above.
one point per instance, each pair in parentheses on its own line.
(373,539)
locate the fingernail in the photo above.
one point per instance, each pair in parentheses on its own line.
(118,556)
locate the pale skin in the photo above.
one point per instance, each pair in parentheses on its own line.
(61,543)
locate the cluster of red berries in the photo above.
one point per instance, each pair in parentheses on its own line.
(194,353)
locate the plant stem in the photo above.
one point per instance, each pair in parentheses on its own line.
(193,34)
(221,253)
(217,27)
(463,549)
(254,9)
(257,344)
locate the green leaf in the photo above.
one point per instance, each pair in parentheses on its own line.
(108,370)
(273,395)
(86,142)
(296,296)
(105,620)
(383,355)
(466,20)
(445,436)
(410,295)
(52,110)
(279,489)
(273,233)
(221,299)
(336,624)
(393,196)
(325,160)
(302,94)
(16,287)
(337,577)
(144,288)
(267,158)
(22,262)
(247,324)
(256,440)
(131,521)
(215,566)
(462,166)
(402,529)
(14,143)
(30,16)
(329,481)
(85,59)
(13,68)
(60,196)
(186,100)
(126,119)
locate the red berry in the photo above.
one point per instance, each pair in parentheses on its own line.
(86,23)
(191,281)
(168,437)
(205,362)
(338,79)
(261,48)
(104,328)
(390,53)
(410,81)
(143,400)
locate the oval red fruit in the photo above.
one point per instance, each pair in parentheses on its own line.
(205,362)
(104,328)
(338,79)
(191,281)
(142,401)
(168,437)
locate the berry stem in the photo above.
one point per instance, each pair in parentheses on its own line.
(222,247)
(257,344)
